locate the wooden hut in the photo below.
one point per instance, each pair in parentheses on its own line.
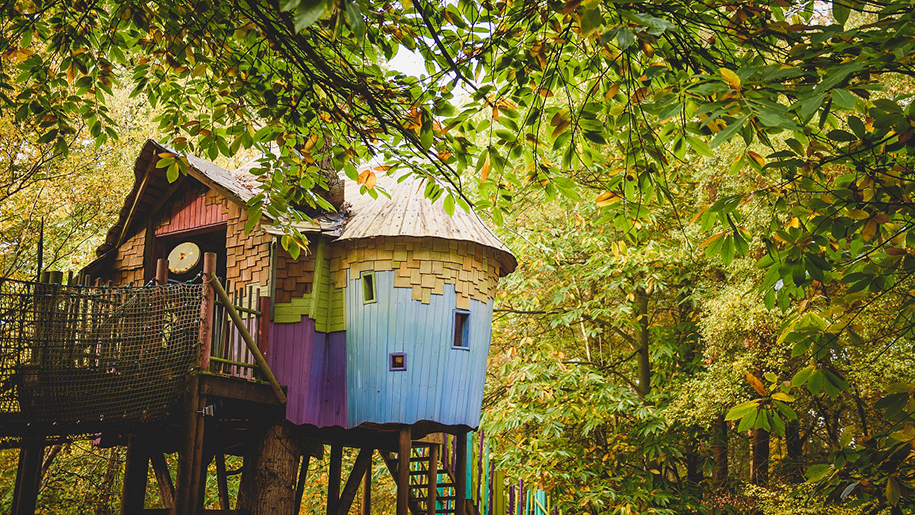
(379,333)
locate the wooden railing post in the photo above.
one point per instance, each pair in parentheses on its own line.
(263,325)
(162,272)
(207,309)
(460,474)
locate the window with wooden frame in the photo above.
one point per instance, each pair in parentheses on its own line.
(461,338)
(397,361)
(368,287)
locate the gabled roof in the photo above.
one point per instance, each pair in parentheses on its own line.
(151,186)
(406,213)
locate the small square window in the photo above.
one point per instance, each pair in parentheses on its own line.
(461,330)
(398,361)
(368,287)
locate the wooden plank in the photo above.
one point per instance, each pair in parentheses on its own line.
(363,460)
(300,483)
(222,481)
(334,477)
(367,490)
(432,480)
(28,478)
(164,479)
(207,310)
(237,389)
(403,471)
(133,496)
(460,474)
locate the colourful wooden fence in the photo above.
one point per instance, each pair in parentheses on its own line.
(487,487)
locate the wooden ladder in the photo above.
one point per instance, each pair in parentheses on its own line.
(421,456)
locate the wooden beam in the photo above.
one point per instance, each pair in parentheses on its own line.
(133,497)
(363,460)
(163,479)
(207,308)
(367,490)
(300,483)
(136,200)
(334,478)
(432,480)
(190,453)
(222,481)
(403,471)
(25,495)
(460,475)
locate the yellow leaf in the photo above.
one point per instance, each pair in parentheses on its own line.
(612,91)
(895,251)
(607,198)
(757,384)
(559,117)
(639,95)
(731,78)
(484,171)
(370,181)
(561,127)
(870,230)
(857,214)
(756,158)
(709,241)
(363,176)
(784,397)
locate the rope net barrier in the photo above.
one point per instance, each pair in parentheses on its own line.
(78,360)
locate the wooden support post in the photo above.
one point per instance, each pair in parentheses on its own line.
(460,474)
(300,484)
(432,480)
(133,494)
(190,452)
(363,460)
(162,272)
(207,310)
(263,325)
(405,443)
(28,478)
(164,479)
(367,491)
(222,481)
(334,477)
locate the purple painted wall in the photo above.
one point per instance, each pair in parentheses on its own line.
(313,367)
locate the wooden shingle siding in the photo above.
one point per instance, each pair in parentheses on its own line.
(320,299)
(423,265)
(197,208)
(440,383)
(128,264)
(247,255)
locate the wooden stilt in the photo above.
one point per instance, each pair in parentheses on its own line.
(405,443)
(352,484)
(190,453)
(222,481)
(133,496)
(367,491)
(28,478)
(460,474)
(164,479)
(300,484)
(162,272)
(334,477)
(432,480)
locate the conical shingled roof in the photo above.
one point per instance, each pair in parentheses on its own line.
(409,213)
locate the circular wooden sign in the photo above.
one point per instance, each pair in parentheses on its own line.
(183,258)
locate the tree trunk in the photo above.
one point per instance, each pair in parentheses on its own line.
(641,301)
(759,467)
(720,451)
(269,477)
(691,457)
(795,448)
(106,489)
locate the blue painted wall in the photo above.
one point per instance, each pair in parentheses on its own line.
(441,383)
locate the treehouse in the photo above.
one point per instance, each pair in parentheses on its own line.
(375,337)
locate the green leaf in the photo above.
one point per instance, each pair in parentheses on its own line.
(306,12)
(254,216)
(818,472)
(591,20)
(742,410)
(449,204)
(801,377)
(729,131)
(840,11)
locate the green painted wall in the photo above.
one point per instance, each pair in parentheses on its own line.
(325,304)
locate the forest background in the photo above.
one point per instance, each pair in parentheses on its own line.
(710,203)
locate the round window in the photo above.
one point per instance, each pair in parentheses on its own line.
(183,257)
